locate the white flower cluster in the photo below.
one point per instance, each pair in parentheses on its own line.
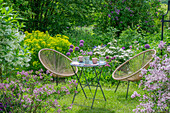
(112,50)
(11,51)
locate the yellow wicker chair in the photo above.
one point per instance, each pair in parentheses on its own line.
(131,69)
(57,63)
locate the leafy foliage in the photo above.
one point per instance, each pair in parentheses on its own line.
(54,16)
(123,13)
(38,40)
(32,92)
(13,53)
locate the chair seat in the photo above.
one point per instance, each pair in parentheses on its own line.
(56,62)
(131,69)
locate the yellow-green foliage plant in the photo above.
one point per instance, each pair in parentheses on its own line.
(38,40)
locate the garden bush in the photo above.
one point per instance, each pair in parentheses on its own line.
(38,40)
(13,53)
(31,92)
(156,82)
(122,14)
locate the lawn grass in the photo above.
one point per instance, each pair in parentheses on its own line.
(115,102)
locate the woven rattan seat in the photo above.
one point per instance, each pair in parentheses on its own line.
(131,69)
(56,62)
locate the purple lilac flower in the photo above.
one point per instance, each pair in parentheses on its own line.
(135,94)
(68,54)
(117,11)
(123,48)
(121,22)
(81,51)
(59,110)
(67,27)
(47,72)
(81,41)
(90,53)
(168,48)
(71,46)
(76,48)
(109,15)
(146,21)
(111,11)
(107,57)
(117,18)
(147,46)
(161,45)
(81,45)
(70,50)
(131,15)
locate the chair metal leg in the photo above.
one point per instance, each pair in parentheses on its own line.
(57,80)
(117,86)
(127,89)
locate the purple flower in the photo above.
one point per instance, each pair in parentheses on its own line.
(147,46)
(131,15)
(107,65)
(90,53)
(117,11)
(135,94)
(123,48)
(81,51)
(130,47)
(109,15)
(47,72)
(113,58)
(94,47)
(68,54)
(116,18)
(70,50)
(81,45)
(71,46)
(161,44)
(59,110)
(121,22)
(76,48)
(67,27)
(81,41)
(107,57)
(146,21)
(168,48)
(111,11)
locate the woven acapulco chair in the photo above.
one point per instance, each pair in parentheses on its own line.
(57,63)
(131,69)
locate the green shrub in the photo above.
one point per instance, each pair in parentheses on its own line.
(123,13)
(38,40)
(12,51)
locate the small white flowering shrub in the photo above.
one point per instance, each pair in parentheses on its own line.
(12,51)
(112,50)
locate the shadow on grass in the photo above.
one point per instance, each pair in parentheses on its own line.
(95,110)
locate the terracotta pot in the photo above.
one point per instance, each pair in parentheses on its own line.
(94,60)
(80,58)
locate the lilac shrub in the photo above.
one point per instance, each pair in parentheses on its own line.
(33,93)
(157,85)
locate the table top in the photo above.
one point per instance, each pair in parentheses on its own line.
(82,64)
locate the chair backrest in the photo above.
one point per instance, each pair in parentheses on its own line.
(56,62)
(131,69)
